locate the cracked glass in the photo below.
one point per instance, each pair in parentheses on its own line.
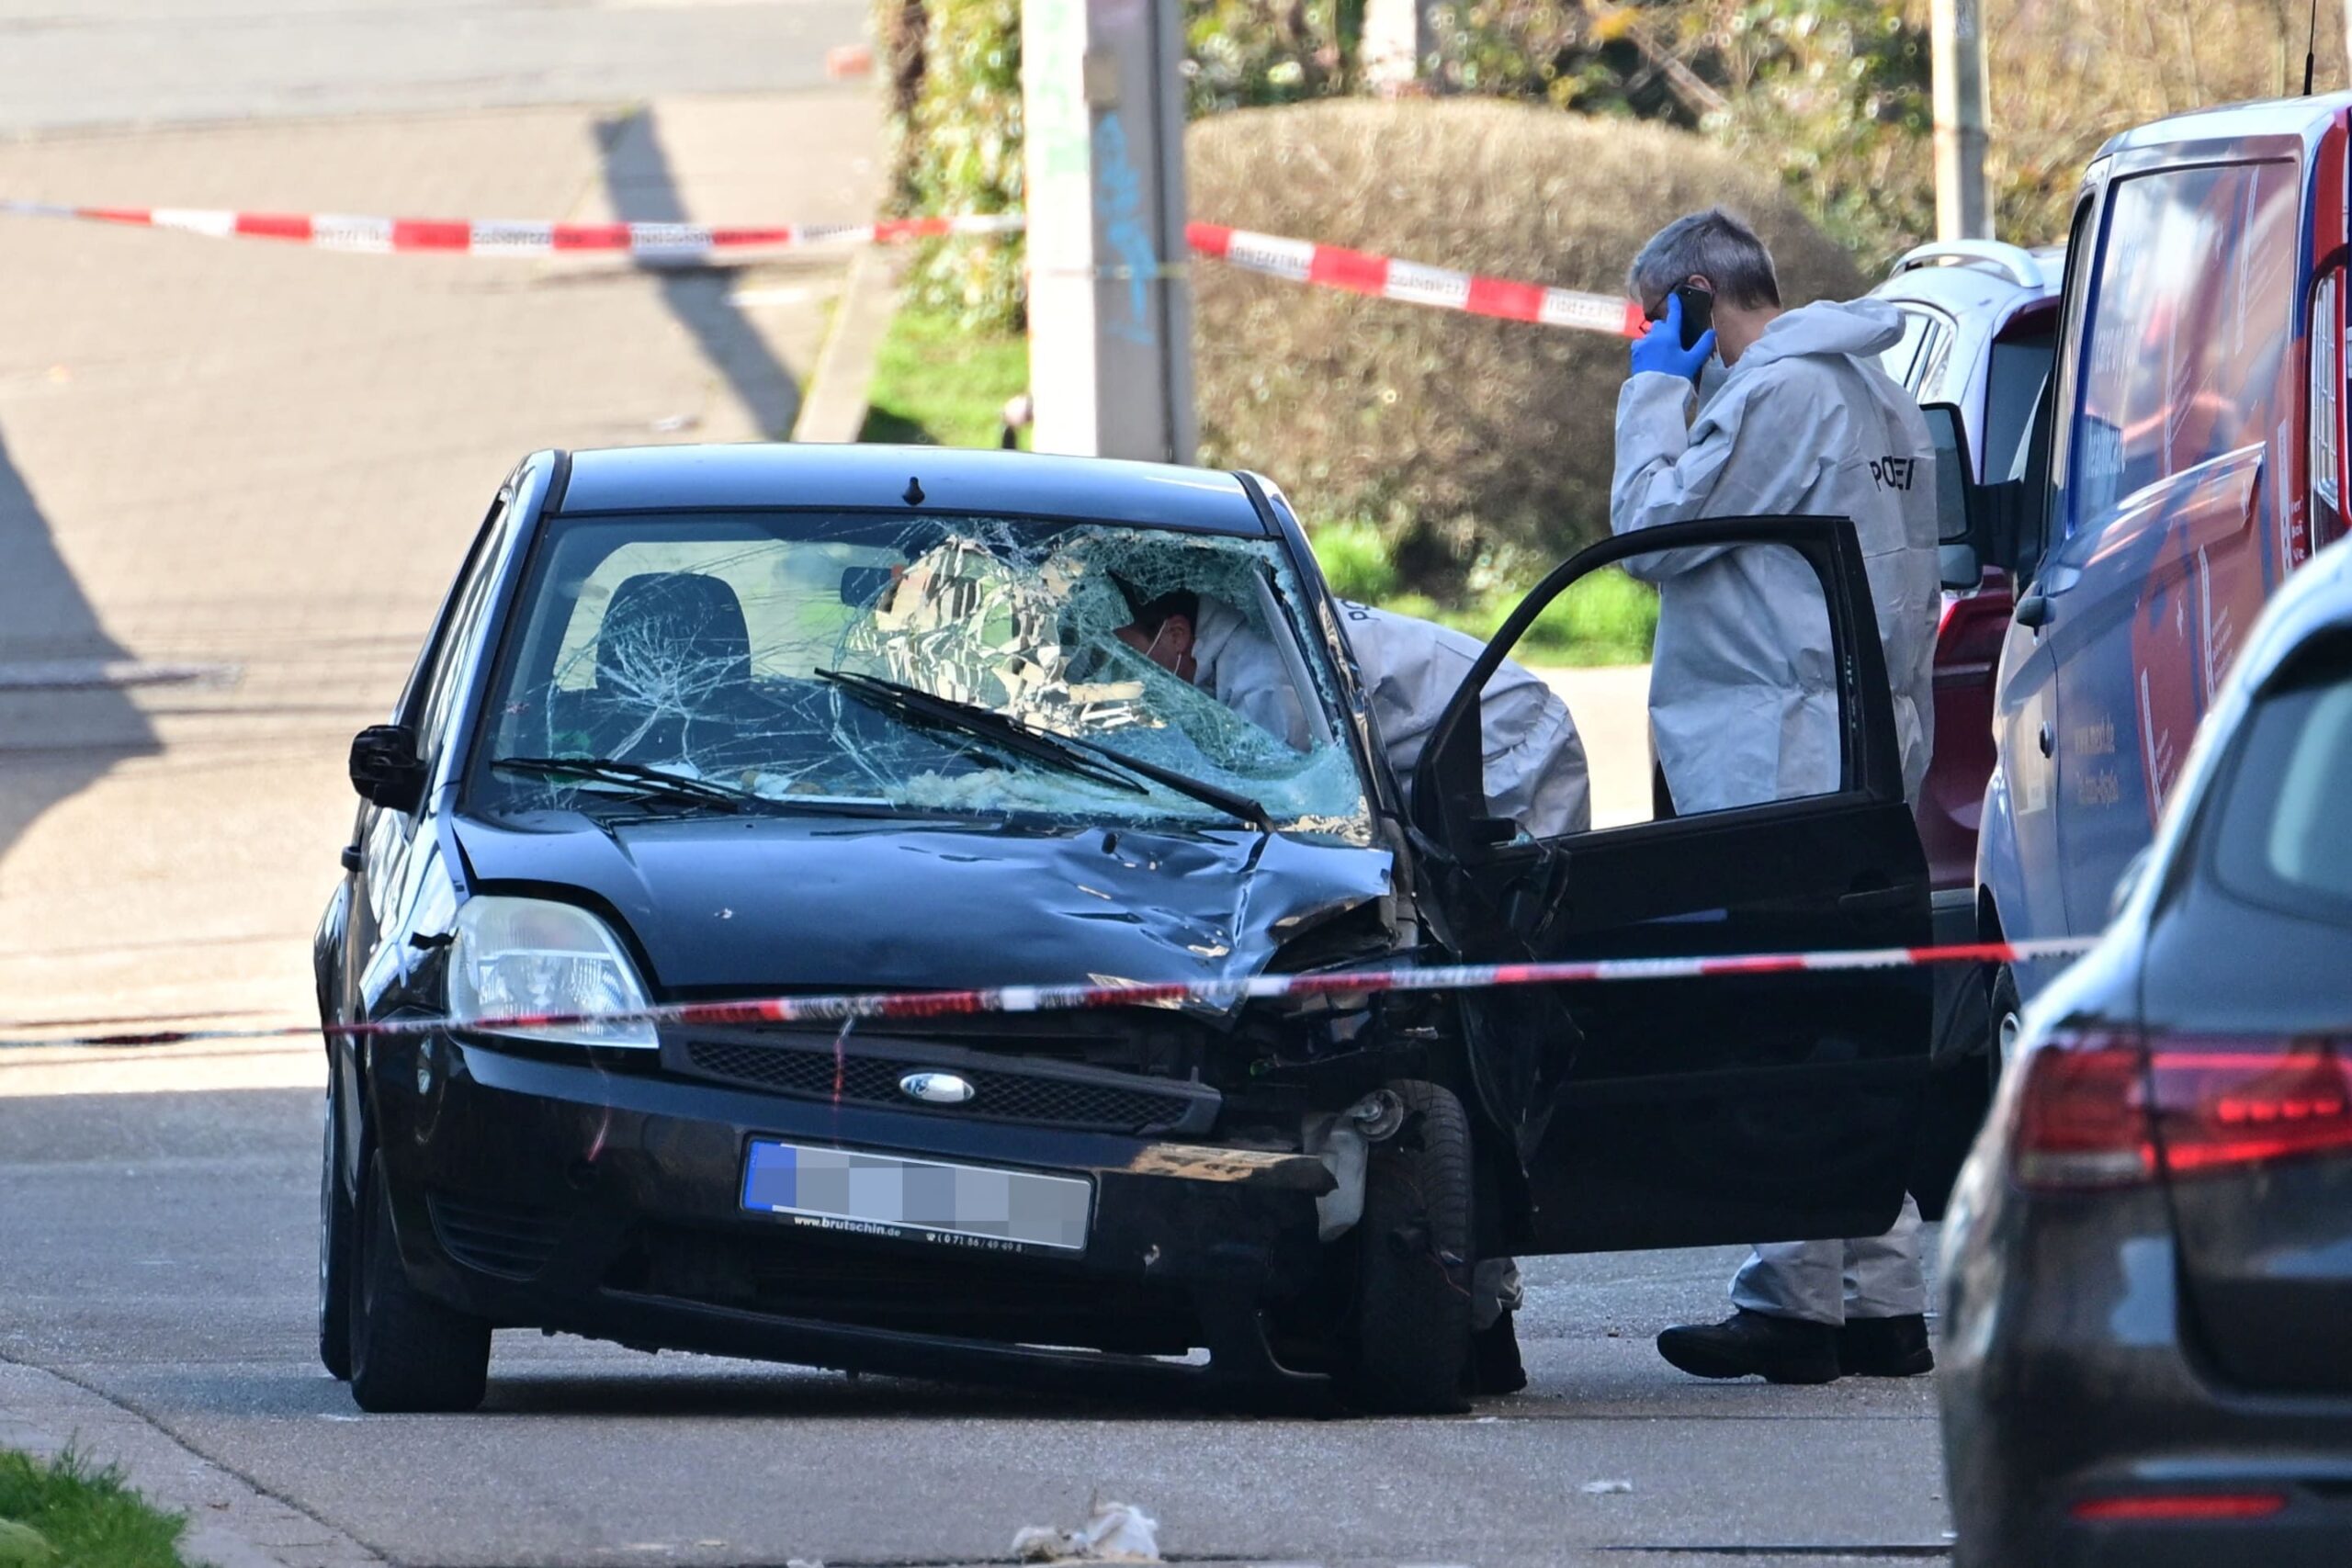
(971,667)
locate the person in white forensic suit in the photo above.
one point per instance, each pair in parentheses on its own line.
(1535,775)
(1743,694)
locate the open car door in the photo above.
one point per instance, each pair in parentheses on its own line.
(1693,1111)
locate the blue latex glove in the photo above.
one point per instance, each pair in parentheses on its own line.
(1660,348)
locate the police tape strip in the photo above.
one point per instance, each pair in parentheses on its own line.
(1274,255)
(1416,283)
(844,1008)
(681,242)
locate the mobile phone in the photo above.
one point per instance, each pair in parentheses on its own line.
(1698,312)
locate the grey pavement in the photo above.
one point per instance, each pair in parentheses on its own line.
(157,1249)
(140,62)
(267,461)
(260,463)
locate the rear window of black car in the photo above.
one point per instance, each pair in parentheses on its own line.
(2282,834)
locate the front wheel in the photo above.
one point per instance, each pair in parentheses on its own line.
(409,1352)
(1411,1323)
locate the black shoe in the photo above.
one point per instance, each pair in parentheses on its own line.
(1750,1344)
(1494,1366)
(1884,1347)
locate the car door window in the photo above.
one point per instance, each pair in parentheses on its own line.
(457,641)
(2190,317)
(1731,701)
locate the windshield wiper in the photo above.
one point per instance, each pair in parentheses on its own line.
(916,705)
(1066,749)
(638,776)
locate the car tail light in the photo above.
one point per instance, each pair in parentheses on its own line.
(2221,1105)
(2161,1507)
(1971,627)
(2082,1117)
(2093,1113)
(2328,440)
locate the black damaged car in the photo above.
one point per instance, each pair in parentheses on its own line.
(728,722)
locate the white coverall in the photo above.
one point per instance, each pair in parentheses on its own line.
(1535,767)
(1743,699)
(1235,663)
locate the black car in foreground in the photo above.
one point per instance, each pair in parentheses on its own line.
(2147,1266)
(708,723)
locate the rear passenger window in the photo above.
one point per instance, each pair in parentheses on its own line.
(2279,839)
(2189,328)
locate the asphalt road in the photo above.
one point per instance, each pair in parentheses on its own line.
(133,62)
(159,1248)
(260,463)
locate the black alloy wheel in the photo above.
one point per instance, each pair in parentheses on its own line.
(409,1352)
(338,1225)
(1409,1327)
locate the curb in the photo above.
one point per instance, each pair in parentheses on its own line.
(835,405)
(231,1523)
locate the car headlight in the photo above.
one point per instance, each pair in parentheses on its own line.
(528,955)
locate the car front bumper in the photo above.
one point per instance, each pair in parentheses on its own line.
(553,1194)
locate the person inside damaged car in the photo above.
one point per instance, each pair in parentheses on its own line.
(965,666)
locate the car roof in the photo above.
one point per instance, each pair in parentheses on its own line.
(2231,122)
(950,480)
(1968,276)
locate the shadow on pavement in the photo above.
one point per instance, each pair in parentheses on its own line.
(644,189)
(56,738)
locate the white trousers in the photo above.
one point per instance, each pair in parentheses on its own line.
(1830,1281)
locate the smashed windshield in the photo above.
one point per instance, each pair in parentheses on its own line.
(988,667)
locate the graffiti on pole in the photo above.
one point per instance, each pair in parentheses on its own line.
(1126,230)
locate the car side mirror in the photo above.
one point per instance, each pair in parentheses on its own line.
(1956,520)
(386,769)
(1961,569)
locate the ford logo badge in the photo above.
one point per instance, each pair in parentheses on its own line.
(936,1089)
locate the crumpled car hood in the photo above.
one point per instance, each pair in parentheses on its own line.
(731,905)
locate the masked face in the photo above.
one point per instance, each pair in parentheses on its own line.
(1171,646)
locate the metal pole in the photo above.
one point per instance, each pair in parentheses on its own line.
(1958,60)
(1110,305)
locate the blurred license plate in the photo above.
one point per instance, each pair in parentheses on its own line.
(957,1205)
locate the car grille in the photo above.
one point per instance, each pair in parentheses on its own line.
(513,1240)
(1001,1095)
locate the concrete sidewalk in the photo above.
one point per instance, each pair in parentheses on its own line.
(231,1523)
(268,459)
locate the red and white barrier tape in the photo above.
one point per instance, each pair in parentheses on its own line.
(1300,261)
(847,1007)
(1416,283)
(641,242)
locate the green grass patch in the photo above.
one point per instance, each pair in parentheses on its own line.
(67,1513)
(1605,618)
(939,383)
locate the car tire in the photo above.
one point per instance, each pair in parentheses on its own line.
(1409,1334)
(2003,1015)
(337,1238)
(409,1352)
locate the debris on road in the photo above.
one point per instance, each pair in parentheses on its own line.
(1605,1488)
(1115,1532)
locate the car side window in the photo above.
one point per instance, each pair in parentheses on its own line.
(460,634)
(1598,722)
(2191,313)
(2054,441)
(1898,360)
